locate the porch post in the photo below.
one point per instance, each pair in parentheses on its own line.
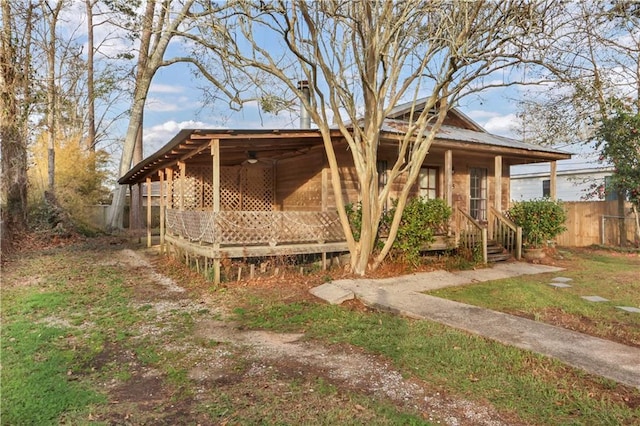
(448,177)
(162,205)
(170,188)
(553,181)
(498,183)
(215,157)
(183,178)
(132,222)
(148,211)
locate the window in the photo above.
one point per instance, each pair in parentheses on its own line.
(546,188)
(428,182)
(478,193)
(610,192)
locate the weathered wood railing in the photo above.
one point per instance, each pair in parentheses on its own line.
(505,232)
(254,227)
(472,235)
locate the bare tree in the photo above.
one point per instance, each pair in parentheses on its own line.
(51,15)
(591,66)
(595,69)
(162,22)
(91,92)
(362,58)
(15,106)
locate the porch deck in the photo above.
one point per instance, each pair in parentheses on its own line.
(237,234)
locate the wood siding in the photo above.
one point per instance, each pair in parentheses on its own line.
(299,182)
(461,165)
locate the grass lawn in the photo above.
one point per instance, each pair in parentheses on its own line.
(91,337)
(612,275)
(534,389)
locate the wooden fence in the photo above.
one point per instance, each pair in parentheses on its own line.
(595,222)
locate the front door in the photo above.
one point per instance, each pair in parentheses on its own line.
(478,193)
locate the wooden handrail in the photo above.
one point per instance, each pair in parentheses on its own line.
(511,224)
(506,232)
(471,232)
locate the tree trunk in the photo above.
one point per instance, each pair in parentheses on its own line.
(91,96)
(360,261)
(636,216)
(51,91)
(135,202)
(114,221)
(13,142)
(622,225)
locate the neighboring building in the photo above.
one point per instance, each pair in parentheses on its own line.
(246,193)
(574,182)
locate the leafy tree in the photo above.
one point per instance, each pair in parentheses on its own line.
(618,139)
(80,177)
(593,64)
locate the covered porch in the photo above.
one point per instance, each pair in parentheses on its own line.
(255,193)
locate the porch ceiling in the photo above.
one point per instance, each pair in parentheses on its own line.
(235,145)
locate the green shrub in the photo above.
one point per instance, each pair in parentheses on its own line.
(421,219)
(541,220)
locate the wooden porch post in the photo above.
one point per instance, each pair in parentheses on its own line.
(448,177)
(498,183)
(130,202)
(183,178)
(148,211)
(553,181)
(215,157)
(170,188)
(162,205)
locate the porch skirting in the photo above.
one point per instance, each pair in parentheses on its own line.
(235,252)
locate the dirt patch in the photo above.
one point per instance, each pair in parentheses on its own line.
(348,368)
(244,364)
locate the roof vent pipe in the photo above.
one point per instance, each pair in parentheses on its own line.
(305,119)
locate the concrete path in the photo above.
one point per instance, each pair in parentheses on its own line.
(403,295)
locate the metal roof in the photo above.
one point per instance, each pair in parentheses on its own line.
(235,144)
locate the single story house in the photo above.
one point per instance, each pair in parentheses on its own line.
(575,181)
(239,193)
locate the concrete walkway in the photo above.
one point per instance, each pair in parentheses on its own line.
(403,295)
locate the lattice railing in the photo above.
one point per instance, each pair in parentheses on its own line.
(255,227)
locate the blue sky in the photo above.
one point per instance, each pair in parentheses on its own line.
(175,102)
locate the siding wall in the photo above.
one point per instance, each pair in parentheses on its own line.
(299,182)
(570,187)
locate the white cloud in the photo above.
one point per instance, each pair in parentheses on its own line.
(157,136)
(165,88)
(503,125)
(161,105)
(482,114)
